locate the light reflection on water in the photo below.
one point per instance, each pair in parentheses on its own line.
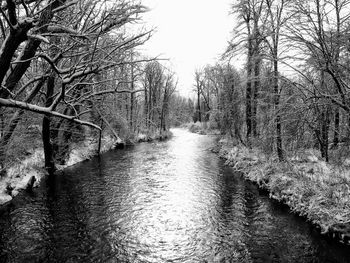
(168,201)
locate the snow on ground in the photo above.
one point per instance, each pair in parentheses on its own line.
(309,186)
(19,175)
(87,149)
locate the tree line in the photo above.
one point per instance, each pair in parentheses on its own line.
(72,70)
(293,91)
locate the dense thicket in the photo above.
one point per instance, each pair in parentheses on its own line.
(71,71)
(293,92)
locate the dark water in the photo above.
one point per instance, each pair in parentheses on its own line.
(168,201)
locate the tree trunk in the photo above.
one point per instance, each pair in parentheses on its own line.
(336,127)
(100,138)
(8,49)
(199,105)
(164,111)
(248,109)
(132,99)
(324,134)
(278,116)
(16,74)
(126,99)
(146,107)
(48,149)
(255,95)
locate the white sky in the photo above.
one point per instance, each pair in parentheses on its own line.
(191,33)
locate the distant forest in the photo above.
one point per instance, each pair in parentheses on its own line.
(73,70)
(293,92)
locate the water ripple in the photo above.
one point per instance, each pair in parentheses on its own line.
(168,201)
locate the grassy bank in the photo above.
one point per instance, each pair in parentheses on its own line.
(28,172)
(202,128)
(310,187)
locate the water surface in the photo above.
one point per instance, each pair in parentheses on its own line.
(171,201)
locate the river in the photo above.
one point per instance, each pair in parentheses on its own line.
(171,201)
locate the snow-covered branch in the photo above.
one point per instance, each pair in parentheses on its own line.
(43,110)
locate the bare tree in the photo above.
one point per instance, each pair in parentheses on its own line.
(94,44)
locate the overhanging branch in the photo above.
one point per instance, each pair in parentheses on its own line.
(43,110)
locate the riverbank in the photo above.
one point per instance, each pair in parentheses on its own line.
(309,186)
(203,128)
(27,173)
